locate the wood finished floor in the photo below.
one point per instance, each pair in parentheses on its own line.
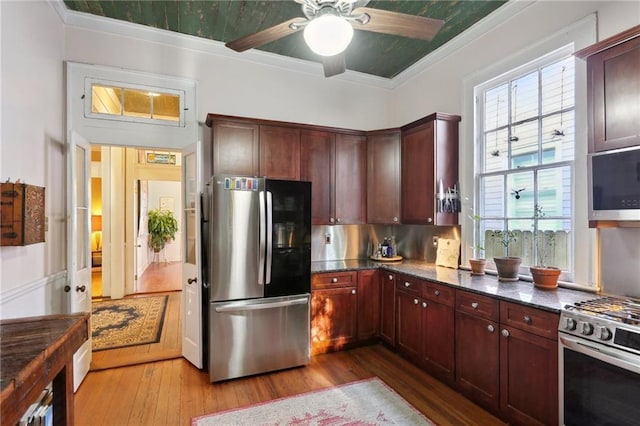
(169,346)
(172,392)
(158,277)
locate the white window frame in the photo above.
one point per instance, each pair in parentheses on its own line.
(573,38)
(533,66)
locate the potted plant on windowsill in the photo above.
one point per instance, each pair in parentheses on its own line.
(507,266)
(478,262)
(163,227)
(544,277)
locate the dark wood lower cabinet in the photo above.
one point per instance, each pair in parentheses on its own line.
(409,325)
(477,360)
(438,354)
(368,310)
(333,319)
(388,307)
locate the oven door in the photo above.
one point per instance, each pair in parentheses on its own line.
(599,385)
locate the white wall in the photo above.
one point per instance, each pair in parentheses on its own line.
(157,190)
(32,149)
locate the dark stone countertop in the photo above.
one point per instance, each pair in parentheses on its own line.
(522,292)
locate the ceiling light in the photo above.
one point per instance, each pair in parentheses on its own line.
(328,34)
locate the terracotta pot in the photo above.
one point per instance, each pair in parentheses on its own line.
(507,267)
(545,278)
(477,266)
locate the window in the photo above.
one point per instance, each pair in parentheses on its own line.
(142,104)
(524,182)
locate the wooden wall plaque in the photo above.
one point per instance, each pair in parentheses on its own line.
(21,214)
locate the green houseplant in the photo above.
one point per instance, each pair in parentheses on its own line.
(478,262)
(162,226)
(545,277)
(507,266)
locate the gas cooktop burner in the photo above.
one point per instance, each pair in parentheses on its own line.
(618,309)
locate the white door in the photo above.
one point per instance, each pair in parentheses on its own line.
(191,276)
(79,243)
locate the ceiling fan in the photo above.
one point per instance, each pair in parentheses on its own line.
(328,27)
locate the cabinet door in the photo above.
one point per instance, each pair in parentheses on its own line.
(477,360)
(333,318)
(350,179)
(280,152)
(528,377)
(317,166)
(388,307)
(438,340)
(383,177)
(236,148)
(368,305)
(408,325)
(614,96)
(418,178)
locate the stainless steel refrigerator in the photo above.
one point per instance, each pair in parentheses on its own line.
(259,275)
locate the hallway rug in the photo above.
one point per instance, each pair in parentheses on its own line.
(365,402)
(127,322)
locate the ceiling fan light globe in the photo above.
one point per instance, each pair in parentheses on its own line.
(328,35)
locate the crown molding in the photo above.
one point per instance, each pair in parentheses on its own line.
(126,29)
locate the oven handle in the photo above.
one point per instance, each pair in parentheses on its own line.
(603,353)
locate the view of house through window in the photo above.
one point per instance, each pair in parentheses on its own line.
(527,140)
(135,103)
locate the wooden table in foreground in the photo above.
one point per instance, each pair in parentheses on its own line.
(34,352)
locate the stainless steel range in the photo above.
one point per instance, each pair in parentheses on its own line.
(600,362)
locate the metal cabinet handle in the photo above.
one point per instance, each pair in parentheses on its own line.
(390,277)
(334,280)
(81,288)
(474,305)
(415,301)
(338,220)
(430,220)
(425,304)
(353,291)
(331,220)
(67,288)
(395,218)
(527,319)
(437,292)
(505,332)
(491,328)
(192,280)
(407,284)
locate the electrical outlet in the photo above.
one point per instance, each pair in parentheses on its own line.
(327,238)
(435,241)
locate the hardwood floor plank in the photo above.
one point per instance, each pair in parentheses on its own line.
(172,392)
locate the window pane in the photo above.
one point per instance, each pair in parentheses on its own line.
(106,100)
(522,242)
(492,194)
(558,135)
(166,107)
(496,151)
(554,191)
(524,97)
(496,107)
(558,88)
(524,145)
(520,189)
(137,103)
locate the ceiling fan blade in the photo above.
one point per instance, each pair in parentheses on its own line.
(265,36)
(387,22)
(333,65)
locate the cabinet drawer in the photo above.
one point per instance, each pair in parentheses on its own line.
(438,293)
(532,320)
(409,284)
(477,305)
(333,279)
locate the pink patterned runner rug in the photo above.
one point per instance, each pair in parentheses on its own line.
(366,402)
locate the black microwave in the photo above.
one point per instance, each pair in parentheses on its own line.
(614,184)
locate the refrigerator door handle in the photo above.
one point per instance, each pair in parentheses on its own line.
(244,306)
(269,236)
(263,239)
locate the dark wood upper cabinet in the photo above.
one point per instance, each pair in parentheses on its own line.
(613,91)
(236,148)
(383,176)
(429,155)
(317,166)
(350,179)
(335,164)
(280,152)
